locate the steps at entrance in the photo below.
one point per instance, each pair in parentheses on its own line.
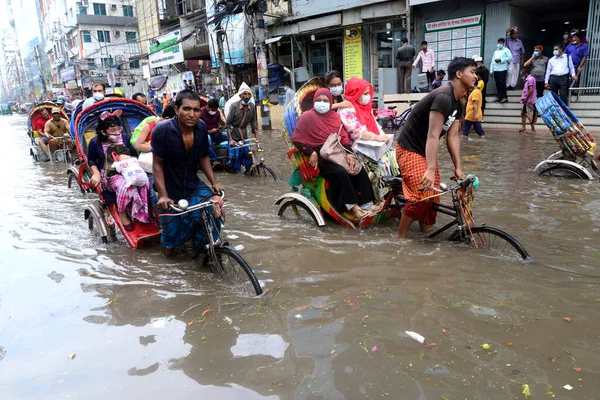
(508,115)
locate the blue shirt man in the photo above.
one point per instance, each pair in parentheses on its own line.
(180,146)
(579,52)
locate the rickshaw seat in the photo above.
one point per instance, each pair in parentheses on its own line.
(392,180)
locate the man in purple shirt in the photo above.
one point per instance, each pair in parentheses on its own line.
(514,44)
(578,52)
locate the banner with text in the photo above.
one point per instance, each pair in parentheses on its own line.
(165,50)
(455,37)
(353,53)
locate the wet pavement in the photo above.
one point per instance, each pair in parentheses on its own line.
(79,319)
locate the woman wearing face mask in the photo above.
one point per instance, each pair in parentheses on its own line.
(333,80)
(538,64)
(348,193)
(359,120)
(109,134)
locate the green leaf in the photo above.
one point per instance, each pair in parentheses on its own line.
(526,391)
(486,346)
(445,398)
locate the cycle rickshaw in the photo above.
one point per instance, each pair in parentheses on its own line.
(308,200)
(575,159)
(62,154)
(104,216)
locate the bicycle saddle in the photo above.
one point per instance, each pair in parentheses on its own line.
(392,180)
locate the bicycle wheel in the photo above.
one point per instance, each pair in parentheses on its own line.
(296,211)
(494,242)
(268,169)
(235,272)
(563,171)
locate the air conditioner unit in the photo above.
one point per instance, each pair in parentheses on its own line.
(113,6)
(85,3)
(119,58)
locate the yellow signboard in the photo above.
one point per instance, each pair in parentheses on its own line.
(353,54)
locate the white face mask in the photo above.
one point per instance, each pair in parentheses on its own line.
(364,99)
(321,107)
(337,90)
(212,112)
(98,96)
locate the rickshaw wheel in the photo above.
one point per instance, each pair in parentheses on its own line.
(296,211)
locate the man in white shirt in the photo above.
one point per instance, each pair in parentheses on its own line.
(289,94)
(557,73)
(427,58)
(98,91)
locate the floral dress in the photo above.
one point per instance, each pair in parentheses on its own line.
(377,169)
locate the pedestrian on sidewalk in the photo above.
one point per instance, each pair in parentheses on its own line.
(427,58)
(474,114)
(484,74)
(537,65)
(405,56)
(528,99)
(498,69)
(557,73)
(514,44)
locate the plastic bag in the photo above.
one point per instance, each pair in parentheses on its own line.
(132,172)
(145,161)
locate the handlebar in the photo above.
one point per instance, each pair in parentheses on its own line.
(469,180)
(183,206)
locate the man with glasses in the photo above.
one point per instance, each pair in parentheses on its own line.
(98,91)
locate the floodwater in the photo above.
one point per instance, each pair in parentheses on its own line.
(84,320)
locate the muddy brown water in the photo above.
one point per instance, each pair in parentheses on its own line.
(332,323)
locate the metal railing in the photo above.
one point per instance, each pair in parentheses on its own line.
(589,82)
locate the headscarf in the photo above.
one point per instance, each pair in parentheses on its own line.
(313,128)
(354,90)
(244,88)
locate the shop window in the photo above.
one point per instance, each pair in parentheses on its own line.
(99,9)
(87,36)
(134,64)
(83,10)
(128,11)
(104,36)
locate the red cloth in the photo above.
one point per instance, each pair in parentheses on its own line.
(354,90)
(413,167)
(313,128)
(38,123)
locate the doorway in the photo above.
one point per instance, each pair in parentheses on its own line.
(325,56)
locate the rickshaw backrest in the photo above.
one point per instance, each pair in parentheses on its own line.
(86,120)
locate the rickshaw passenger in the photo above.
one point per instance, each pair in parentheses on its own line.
(212,117)
(333,80)
(109,132)
(143,145)
(359,120)
(39,123)
(350,193)
(180,146)
(53,133)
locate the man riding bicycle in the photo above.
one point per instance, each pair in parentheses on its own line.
(436,115)
(180,146)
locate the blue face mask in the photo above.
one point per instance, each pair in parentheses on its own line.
(536,53)
(245,102)
(500,46)
(565,36)
(555,52)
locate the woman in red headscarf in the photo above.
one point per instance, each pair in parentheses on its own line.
(359,120)
(351,193)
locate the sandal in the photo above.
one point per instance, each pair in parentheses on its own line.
(522,130)
(376,209)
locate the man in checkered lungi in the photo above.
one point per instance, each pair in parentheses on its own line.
(436,115)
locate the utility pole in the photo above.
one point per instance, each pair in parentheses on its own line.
(221,55)
(36,50)
(261,61)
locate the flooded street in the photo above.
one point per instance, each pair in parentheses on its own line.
(84,320)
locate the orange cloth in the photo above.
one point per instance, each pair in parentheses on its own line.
(413,167)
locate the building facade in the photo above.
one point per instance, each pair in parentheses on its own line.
(89,42)
(11,66)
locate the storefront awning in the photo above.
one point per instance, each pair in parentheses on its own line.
(273,40)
